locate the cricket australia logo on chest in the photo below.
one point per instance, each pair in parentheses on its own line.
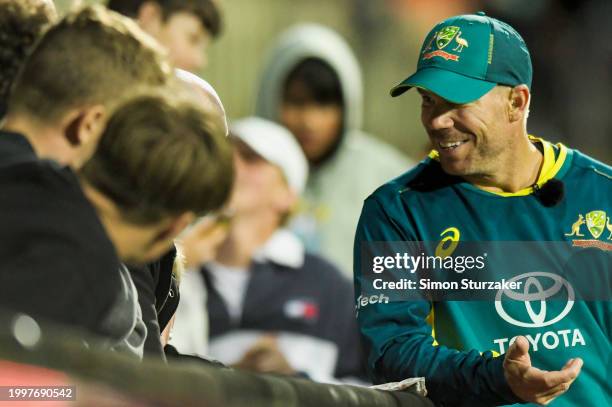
(441,39)
(593,229)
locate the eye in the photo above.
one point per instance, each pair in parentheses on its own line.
(426,100)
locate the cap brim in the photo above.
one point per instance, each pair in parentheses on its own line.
(454,87)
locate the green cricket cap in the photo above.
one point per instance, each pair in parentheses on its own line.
(466,56)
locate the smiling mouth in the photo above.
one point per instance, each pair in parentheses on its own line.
(450,145)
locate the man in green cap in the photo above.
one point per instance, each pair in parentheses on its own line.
(487,180)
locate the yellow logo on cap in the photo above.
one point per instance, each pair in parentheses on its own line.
(446,35)
(441,39)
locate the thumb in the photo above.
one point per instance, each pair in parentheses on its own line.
(519,350)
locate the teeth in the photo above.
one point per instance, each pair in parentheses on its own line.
(451,145)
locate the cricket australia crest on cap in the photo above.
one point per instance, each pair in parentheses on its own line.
(446,35)
(465,56)
(441,39)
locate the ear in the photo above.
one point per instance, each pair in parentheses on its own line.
(84,126)
(150,17)
(518,103)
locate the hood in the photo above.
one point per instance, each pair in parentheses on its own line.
(311,41)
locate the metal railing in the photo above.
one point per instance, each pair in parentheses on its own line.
(153,382)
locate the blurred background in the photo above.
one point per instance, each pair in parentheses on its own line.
(569,40)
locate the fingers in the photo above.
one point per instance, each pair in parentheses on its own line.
(552,384)
(272,364)
(573,366)
(518,349)
(265,357)
(517,358)
(535,385)
(567,363)
(548,396)
(555,391)
(556,378)
(264,344)
(256,350)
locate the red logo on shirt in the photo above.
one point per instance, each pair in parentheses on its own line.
(302,309)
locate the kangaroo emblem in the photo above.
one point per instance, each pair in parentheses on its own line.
(609,226)
(576,227)
(428,47)
(460,43)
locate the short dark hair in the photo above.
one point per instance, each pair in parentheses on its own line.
(319,83)
(92,56)
(206,10)
(161,156)
(22,23)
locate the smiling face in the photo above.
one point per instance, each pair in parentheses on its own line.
(473,139)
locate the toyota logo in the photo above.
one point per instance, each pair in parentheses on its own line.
(533,281)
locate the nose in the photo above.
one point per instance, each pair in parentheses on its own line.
(438,119)
(303,119)
(310,116)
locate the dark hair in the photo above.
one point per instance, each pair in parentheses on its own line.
(316,80)
(22,23)
(207,11)
(92,56)
(161,156)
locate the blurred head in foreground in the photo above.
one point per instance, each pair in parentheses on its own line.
(161,162)
(77,74)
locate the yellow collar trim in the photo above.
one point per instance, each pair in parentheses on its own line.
(550,166)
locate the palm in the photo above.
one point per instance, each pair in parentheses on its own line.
(532,384)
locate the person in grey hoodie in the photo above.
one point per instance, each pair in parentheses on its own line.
(312,84)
